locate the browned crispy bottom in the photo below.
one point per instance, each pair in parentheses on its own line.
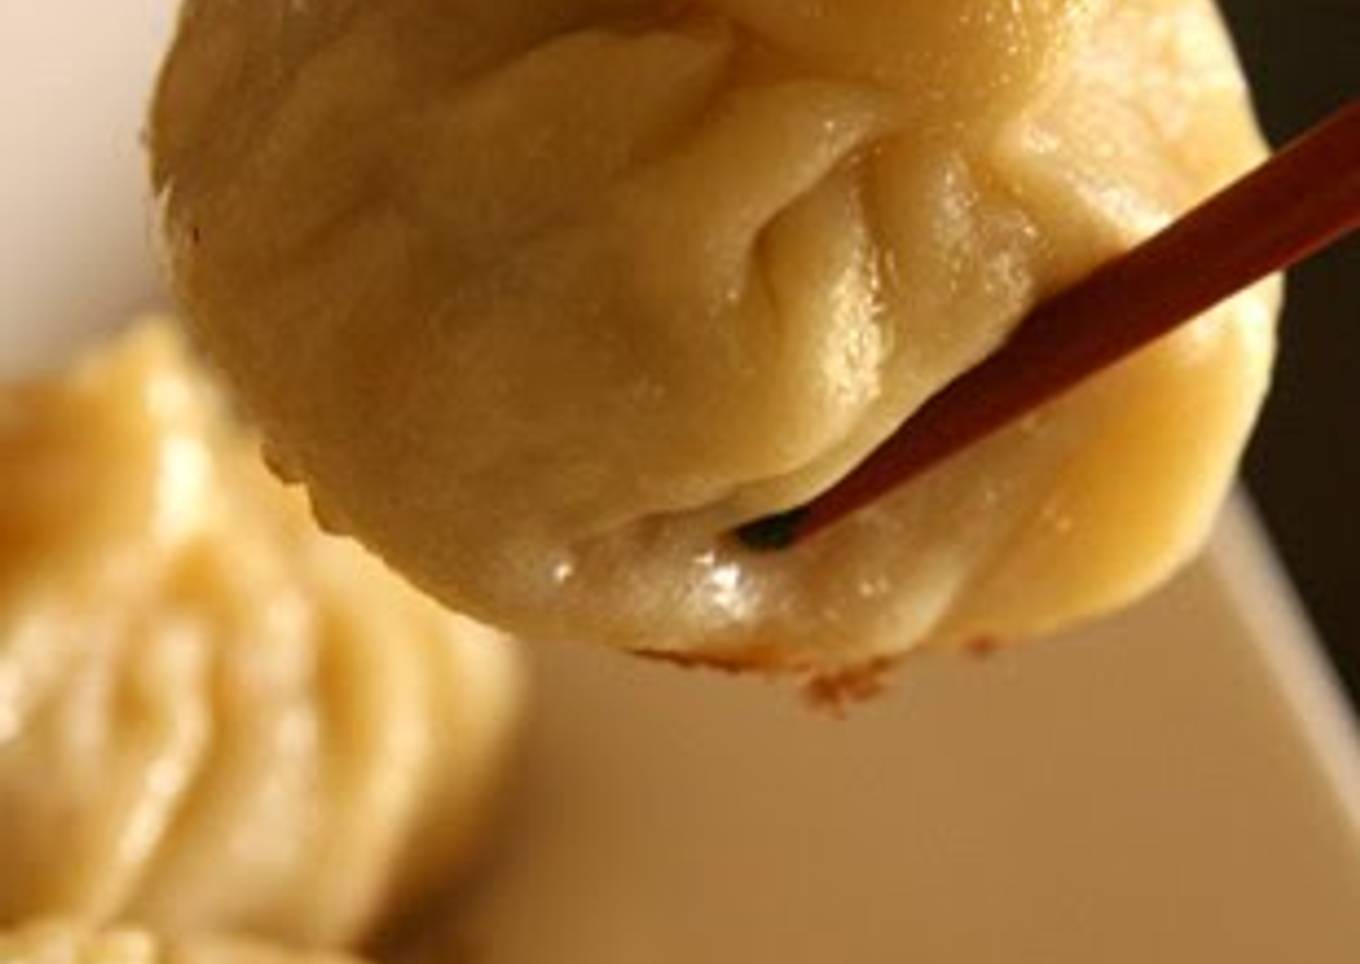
(830,690)
(834,691)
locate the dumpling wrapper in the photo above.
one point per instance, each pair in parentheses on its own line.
(55,941)
(212,716)
(540,299)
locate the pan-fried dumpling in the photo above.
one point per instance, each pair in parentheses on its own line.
(212,717)
(540,298)
(66,942)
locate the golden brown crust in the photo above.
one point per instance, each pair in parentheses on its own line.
(832,691)
(984,647)
(838,692)
(762,660)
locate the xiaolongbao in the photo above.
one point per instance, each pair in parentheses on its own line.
(540,299)
(212,717)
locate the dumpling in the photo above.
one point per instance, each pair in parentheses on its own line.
(212,717)
(66,942)
(540,299)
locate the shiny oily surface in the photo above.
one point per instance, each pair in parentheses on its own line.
(213,717)
(64,942)
(540,299)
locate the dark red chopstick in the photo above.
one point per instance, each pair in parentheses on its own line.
(1304,199)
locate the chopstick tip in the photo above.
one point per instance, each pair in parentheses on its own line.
(774,533)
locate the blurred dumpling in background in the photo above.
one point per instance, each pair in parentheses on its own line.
(54,941)
(212,717)
(540,298)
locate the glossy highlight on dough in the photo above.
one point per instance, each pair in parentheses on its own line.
(212,716)
(540,299)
